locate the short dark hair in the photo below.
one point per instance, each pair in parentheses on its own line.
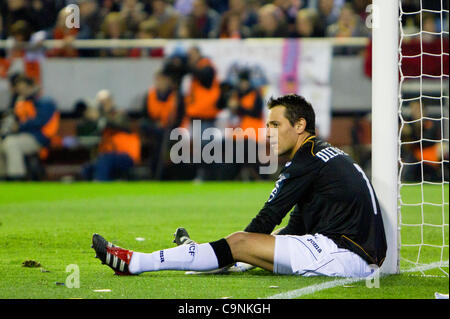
(296,108)
(25,79)
(21,27)
(13,78)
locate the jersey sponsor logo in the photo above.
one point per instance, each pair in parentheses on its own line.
(314,244)
(328,153)
(276,190)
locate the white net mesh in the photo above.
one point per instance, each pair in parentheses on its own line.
(423,136)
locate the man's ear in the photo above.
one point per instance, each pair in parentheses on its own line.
(300,126)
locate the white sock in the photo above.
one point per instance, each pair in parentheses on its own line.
(199,257)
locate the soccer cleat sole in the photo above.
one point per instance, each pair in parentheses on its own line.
(181,236)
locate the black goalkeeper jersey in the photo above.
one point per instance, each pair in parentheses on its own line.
(332,196)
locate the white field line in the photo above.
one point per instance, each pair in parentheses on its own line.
(314,288)
(341,282)
(427,266)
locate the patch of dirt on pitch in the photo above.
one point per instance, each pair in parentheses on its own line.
(31,264)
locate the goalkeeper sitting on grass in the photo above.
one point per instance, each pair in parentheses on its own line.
(335,229)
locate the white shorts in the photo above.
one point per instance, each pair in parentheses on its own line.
(316,255)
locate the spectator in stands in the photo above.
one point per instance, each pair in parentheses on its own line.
(243,104)
(25,43)
(184,7)
(46,12)
(183,30)
(349,24)
(19,10)
(148,29)
(411,5)
(132,13)
(20,34)
(164,104)
(177,66)
(328,11)
(289,9)
(271,23)
(247,103)
(248,16)
(166,18)
(7,117)
(360,7)
(422,132)
(203,22)
(220,6)
(432,44)
(4,65)
(113,27)
(306,24)
(119,149)
(28,46)
(67,35)
(88,125)
(13,91)
(164,110)
(204,91)
(90,19)
(231,27)
(434,62)
(108,111)
(2,30)
(108,6)
(201,100)
(37,121)
(427,54)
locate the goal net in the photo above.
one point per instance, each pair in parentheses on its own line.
(423,136)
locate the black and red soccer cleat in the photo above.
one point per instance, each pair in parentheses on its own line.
(115,257)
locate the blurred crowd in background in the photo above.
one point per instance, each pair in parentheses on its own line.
(147,19)
(36,20)
(123,145)
(120,141)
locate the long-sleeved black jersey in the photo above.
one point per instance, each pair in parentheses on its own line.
(332,197)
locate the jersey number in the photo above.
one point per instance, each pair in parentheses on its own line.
(369,186)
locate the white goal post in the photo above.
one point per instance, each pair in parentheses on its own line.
(410,94)
(385,37)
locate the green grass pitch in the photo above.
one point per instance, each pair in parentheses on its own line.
(52,223)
